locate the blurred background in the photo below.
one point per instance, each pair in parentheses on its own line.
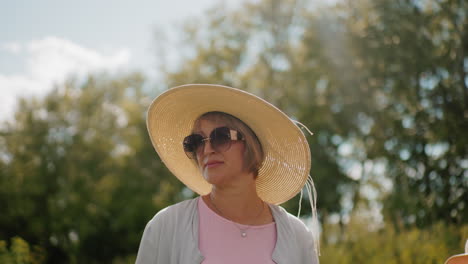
(383,84)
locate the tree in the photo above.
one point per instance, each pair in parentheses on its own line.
(79,176)
(413,60)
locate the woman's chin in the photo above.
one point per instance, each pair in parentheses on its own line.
(214,178)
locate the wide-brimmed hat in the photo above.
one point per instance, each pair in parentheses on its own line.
(460,258)
(171,117)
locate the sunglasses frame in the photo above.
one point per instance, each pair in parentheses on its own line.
(233,135)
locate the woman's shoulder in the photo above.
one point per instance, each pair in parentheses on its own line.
(293,233)
(291,224)
(176,211)
(283,215)
(170,226)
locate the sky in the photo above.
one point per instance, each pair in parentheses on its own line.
(43,42)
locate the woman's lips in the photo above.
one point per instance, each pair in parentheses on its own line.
(213,164)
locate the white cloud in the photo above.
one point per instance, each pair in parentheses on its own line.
(51,60)
(11,47)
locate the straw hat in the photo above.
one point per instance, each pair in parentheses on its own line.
(460,258)
(287,156)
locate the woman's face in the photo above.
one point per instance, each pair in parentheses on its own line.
(219,168)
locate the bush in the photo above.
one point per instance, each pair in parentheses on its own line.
(20,252)
(356,244)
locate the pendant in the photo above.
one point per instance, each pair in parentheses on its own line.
(243,234)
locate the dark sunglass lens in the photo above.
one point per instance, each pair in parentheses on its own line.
(220,138)
(191,144)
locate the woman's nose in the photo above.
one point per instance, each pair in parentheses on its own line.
(207,148)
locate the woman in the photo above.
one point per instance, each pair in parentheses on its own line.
(243,156)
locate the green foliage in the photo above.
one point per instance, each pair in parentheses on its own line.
(412,59)
(79,176)
(356,244)
(20,252)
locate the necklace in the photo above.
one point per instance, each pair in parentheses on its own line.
(243,231)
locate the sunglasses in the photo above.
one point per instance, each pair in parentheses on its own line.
(220,140)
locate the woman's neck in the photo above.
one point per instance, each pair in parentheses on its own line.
(241,205)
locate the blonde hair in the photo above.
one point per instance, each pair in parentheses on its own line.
(253,153)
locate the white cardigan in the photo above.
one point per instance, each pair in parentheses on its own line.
(172,237)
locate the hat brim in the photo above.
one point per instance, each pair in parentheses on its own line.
(458,259)
(287,156)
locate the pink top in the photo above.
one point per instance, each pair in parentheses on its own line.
(220,240)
